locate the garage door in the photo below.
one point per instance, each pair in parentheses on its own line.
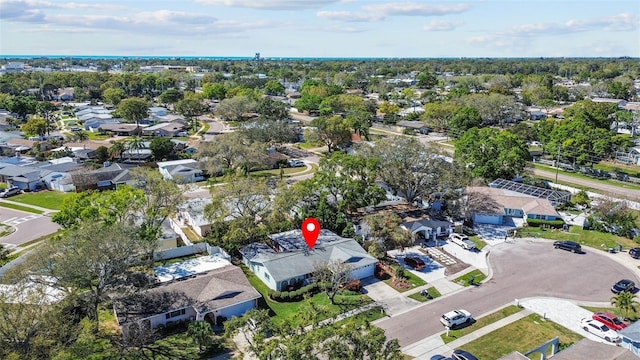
(487,219)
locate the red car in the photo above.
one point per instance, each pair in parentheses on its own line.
(610,320)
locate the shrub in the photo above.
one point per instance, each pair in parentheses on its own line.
(354,285)
(552,223)
(400,272)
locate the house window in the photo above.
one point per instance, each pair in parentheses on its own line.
(266,276)
(175,313)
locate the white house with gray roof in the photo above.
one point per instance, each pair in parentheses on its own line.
(180,171)
(287,261)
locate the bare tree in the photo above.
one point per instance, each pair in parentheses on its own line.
(332,276)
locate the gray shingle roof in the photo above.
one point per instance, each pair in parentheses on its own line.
(295,259)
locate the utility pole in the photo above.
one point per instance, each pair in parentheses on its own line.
(558,163)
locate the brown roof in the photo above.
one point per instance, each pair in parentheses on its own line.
(588,349)
(206,292)
(24,142)
(513,200)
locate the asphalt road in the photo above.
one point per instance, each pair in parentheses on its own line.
(28,226)
(522,269)
(607,189)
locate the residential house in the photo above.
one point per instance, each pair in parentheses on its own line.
(537,115)
(165,129)
(181,171)
(121,129)
(191,214)
(108,177)
(620,102)
(414,125)
(287,261)
(492,205)
(583,349)
(31,176)
(206,288)
(428,228)
(631,338)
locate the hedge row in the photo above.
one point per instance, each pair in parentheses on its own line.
(539,222)
(296,295)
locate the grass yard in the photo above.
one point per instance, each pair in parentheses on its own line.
(463,280)
(480,244)
(21,208)
(96,136)
(412,279)
(294,310)
(480,323)
(306,145)
(191,235)
(288,171)
(46,199)
(589,238)
(522,335)
(432,291)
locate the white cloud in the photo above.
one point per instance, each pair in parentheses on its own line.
(620,22)
(270,4)
(415,9)
(441,25)
(349,16)
(378,12)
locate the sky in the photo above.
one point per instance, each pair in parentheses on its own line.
(322,28)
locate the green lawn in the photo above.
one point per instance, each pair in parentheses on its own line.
(463,280)
(46,199)
(287,171)
(306,145)
(589,238)
(480,244)
(96,136)
(412,279)
(480,323)
(293,310)
(522,335)
(432,291)
(21,208)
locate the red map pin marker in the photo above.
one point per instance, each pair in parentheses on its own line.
(310,231)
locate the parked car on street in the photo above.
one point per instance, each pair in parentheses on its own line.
(572,246)
(610,320)
(414,262)
(455,317)
(623,285)
(14,190)
(599,329)
(462,240)
(463,355)
(440,357)
(635,253)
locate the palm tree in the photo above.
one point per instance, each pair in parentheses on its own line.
(625,303)
(116,150)
(135,143)
(201,333)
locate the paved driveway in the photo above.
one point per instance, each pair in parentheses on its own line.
(521,269)
(28,226)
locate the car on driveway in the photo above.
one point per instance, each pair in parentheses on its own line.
(462,240)
(414,262)
(572,246)
(14,190)
(599,329)
(635,253)
(455,318)
(296,163)
(463,355)
(610,320)
(623,285)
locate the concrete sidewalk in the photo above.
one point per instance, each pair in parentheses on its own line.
(434,345)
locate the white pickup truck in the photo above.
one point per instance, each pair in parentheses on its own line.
(462,240)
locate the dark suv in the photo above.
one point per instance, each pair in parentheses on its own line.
(635,253)
(568,245)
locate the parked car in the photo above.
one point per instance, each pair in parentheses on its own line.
(462,240)
(463,355)
(610,320)
(414,262)
(455,317)
(635,253)
(440,357)
(14,190)
(599,329)
(296,163)
(572,246)
(75,128)
(623,285)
